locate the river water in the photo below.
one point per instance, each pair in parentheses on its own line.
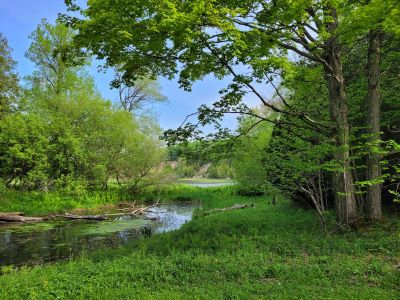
(55,240)
(206,184)
(50,241)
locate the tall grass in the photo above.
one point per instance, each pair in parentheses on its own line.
(40,203)
(265,252)
(35,203)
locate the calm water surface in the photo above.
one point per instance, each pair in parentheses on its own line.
(206,184)
(55,240)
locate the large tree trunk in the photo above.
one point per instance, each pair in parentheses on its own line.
(345,200)
(373,200)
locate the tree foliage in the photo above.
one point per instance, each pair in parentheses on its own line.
(9,81)
(252,43)
(65,136)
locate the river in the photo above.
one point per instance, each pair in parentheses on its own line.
(50,241)
(37,243)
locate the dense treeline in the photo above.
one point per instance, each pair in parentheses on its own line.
(58,133)
(300,163)
(324,58)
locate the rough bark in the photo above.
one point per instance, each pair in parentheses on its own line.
(6,217)
(373,199)
(345,200)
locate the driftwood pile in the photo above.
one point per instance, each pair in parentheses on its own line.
(131,210)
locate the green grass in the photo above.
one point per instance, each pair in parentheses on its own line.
(35,203)
(266,252)
(40,203)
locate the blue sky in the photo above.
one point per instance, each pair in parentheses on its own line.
(18,18)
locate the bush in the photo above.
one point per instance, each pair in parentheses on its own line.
(221,169)
(186,169)
(70,185)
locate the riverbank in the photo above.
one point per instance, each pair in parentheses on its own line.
(44,203)
(31,244)
(269,251)
(40,203)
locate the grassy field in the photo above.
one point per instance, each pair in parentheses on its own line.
(266,252)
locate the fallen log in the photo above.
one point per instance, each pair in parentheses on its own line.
(18,218)
(18,213)
(77,217)
(140,211)
(136,212)
(236,206)
(117,214)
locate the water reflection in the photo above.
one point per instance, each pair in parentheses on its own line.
(206,184)
(55,240)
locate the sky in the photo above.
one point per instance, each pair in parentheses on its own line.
(18,18)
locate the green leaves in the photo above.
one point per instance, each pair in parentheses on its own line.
(296,43)
(9,85)
(66,136)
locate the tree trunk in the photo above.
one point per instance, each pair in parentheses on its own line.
(373,200)
(345,200)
